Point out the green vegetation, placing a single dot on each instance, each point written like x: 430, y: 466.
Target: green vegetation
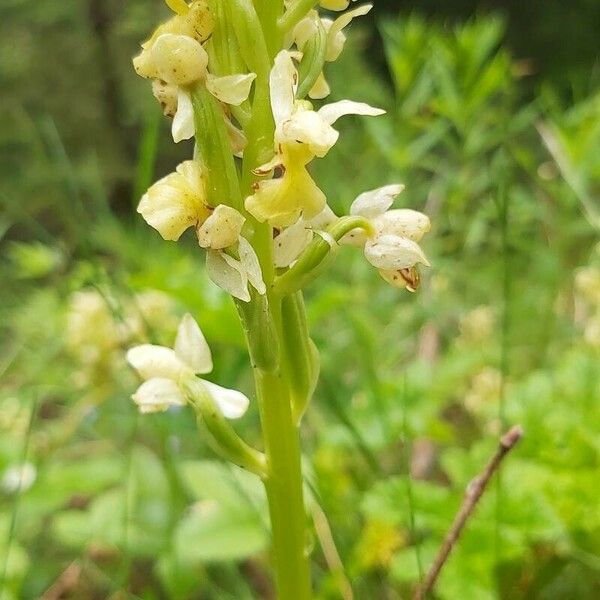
x: 414, y: 391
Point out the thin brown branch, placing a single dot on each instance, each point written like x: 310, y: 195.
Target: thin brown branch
x: 474, y: 492
x: 66, y: 582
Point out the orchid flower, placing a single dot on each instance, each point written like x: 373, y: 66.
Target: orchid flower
x: 301, y: 134
x: 163, y: 370
x: 394, y: 249
x: 177, y: 201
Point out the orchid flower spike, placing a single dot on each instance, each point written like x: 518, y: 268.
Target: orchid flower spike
x: 164, y: 369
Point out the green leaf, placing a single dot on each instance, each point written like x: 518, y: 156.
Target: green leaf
x: 216, y: 532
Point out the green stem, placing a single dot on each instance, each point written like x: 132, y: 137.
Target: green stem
x: 215, y: 150
x: 284, y: 481
x: 316, y: 256
x: 269, y: 12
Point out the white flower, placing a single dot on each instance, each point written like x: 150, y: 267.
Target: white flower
x: 393, y: 252
x: 301, y: 134
x: 164, y: 368
x: 19, y: 478
x: 177, y: 201
x: 394, y: 248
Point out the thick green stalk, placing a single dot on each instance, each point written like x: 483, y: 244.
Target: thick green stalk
x: 284, y: 481
x: 269, y: 12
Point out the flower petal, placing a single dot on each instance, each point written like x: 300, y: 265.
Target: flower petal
x: 403, y: 222
x: 151, y: 361
x: 251, y: 265
x: 183, y: 127
x: 320, y: 88
x: 309, y: 127
x: 233, y: 404
x: 230, y: 89
x: 290, y: 243
x: 157, y: 395
x: 332, y: 112
x: 283, y: 83
x: 228, y: 274
x: 392, y: 252
x: 191, y: 346
x: 176, y: 202
x: 222, y: 229
x: 176, y: 59
x: 166, y: 94
x: 322, y: 220
x: 375, y: 202
x: 267, y: 167
x: 344, y: 20
x: 334, y: 4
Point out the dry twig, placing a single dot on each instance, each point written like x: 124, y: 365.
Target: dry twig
x: 474, y: 492
x: 66, y: 583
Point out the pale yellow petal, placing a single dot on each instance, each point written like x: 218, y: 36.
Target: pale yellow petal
x: 230, y: 89
x: 222, y: 229
x: 150, y: 360
x: 191, y: 346
x: 392, y: 252
x: 375, y: 202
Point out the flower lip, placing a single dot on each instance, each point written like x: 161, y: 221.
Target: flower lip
x: 157, y: 395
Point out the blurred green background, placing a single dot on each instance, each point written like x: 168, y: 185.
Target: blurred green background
x: 494, y: 126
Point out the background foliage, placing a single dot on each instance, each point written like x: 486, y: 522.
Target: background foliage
x: 494, y: 126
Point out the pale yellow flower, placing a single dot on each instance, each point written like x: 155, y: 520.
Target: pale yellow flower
x: 301, y: 134
x: 177, y: 201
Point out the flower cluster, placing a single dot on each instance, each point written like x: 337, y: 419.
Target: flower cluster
x: 179, y: 58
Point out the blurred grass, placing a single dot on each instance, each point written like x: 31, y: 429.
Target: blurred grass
x: 415, y: 389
